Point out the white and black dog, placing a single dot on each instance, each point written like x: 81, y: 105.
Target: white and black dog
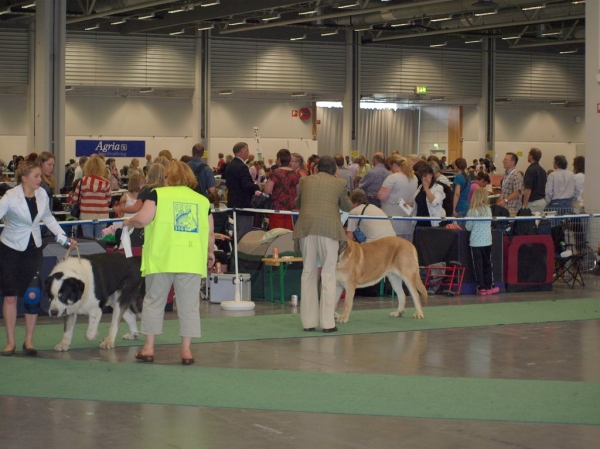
x: 84, y: 286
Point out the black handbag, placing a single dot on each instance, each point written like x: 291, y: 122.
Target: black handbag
x: 262, y: 201
x: 76, y: 207
x: 358, y: 234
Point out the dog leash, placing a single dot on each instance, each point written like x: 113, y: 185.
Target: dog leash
x: 69, y: 251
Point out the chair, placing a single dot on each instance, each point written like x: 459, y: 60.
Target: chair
x: 568, y: 269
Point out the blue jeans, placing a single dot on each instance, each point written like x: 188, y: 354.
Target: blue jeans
x: 562, y: 207
x: 92, y: 230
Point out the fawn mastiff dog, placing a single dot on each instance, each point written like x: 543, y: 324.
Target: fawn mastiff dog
x: 362, y: 265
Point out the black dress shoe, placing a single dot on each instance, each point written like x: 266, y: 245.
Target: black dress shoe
x: 32, y: 352
x: 309, y: 329
x: 8, y: 352
x: 187, y: 362
x: 330, y: 330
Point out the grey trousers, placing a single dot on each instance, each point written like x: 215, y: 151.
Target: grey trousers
x: 187, y: 293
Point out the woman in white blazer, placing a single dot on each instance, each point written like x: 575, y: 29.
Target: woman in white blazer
x: 23, y: 207
x: 429, y: 198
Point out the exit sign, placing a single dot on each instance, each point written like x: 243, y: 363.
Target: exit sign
x: 421, y: 90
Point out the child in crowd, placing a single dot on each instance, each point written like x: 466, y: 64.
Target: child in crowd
x: 481, y: 242
x: 134, y: 185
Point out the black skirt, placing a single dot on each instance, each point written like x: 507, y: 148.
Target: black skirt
x: 17, y: 268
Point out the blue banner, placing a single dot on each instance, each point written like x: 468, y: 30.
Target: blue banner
x: 111, y: 148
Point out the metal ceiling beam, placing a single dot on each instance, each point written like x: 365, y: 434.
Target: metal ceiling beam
x: 112, y: 12
x: 479, y: 28
x: 335, y: 15
x: 548, y: 44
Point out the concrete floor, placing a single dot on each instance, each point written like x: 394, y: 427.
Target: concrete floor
x: 567, y: 351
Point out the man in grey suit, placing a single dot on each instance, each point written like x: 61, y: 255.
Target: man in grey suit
x: 320, y: 237
x: 343, y: 172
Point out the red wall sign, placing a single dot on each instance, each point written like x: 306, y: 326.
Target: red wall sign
x: 294, y: 113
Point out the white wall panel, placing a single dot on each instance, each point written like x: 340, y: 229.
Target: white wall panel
x: 14, y: 58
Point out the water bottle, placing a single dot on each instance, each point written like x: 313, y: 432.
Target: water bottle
x: 32, y: 296
x: 275, y: 253
x: 62, y: 240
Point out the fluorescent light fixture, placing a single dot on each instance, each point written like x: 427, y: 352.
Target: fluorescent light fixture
x: 118, y: 22
x: 558, y: 103
x: 551, y: 33
x: 148, y: 16
x: 175, y: 11
x: 568, y: 52
x: 95, y: 27
x: 206, y: 27
x: 226, y: 92
x: 437, y: 98
x: 475, y: 41
x: 508, y: 38
x: 146, y: 90
x: 269, y: 18
x: 363, y: 28
x: 441, y: 19
x: 349, y: 5
x: 439, y: 45
x: 28, y: 5
x: 175, y: 33
x: 241, y: 22
x: 69, y: 88
x: 401, y: 24
x: 298, y: 94
x: 6, y: 11
x: 532, y: 7
x: 299, y: 38
x: 307, y: 13
x: 504, y: 100
x: 578, y: 2
x: 211, y: 3
x: 330, y: 33
x: 486, y: 13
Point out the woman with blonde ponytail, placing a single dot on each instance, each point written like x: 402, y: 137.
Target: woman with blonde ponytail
x: 400, y: 185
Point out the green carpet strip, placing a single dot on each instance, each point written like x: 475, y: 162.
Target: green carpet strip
x: 361, y: 322
x: 274, y: 390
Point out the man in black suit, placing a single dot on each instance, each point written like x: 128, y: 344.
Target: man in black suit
x: 240, y: 187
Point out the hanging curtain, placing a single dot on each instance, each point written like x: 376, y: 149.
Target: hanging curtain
x: 329, y: 132
x: 386, y: 130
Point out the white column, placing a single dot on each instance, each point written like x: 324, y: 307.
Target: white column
x: 592, y: 103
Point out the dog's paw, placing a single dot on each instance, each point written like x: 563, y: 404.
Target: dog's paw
x: 89, y: 336
x: 107, y: 344
x: 131, y: 336
x: 397, y: 314
x: 418, y: 316
x: 342, y: 319
x: 63, y: 346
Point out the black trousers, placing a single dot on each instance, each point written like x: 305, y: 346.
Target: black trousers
x: 482, y: 266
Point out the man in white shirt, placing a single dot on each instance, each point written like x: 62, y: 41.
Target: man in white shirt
x: 560, y: 186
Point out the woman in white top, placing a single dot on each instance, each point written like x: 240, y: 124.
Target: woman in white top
x: 373, y: 229
x: 430, y: 197
x: 401, y: 184
x: 579, y: 172
x: 23, y: 208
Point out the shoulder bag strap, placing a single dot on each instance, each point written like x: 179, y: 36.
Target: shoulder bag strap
x: 363, y: 211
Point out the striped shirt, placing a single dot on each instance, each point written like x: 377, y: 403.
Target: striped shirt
x: 94, y: 192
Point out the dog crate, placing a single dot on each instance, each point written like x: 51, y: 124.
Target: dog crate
x: 444, y: 279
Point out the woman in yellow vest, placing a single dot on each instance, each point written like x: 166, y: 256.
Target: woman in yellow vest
x: 178, y: 248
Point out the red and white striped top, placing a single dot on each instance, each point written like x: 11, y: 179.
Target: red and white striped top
x: 95, y: 197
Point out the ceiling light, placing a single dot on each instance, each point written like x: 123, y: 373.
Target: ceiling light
x: 349, y: 5
x: 69, y: 88
x: 551, y: 33
x: 146, y: 90
x: 118, y: 22
x: 226, y: 92
x: 558, y: 103
x: 507, y: 38
x: 95, y: 27
x: 28, y: 5
x: 363, y: 28
x: 6, y: 11
x: 298, y: 38
x: 206, y: 27
x: 241, y: 22
x: 175, y: 33
x: 437, y: 98
x: 148, y: 16
x: 441, y: 19
x: 401, y: 24
x: 175, y: 11
x: 269, y: 18
x: 476, y: 41
x: 330, y: 33
x: 439, y: 45
x: 568, y: 52
x: 504, y: 100
x: 578, y: 2
x: 532, y: 7
x: 298, y: 94
x: 211, y: 3
x: 487, y: 13
x: 306, y: 13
